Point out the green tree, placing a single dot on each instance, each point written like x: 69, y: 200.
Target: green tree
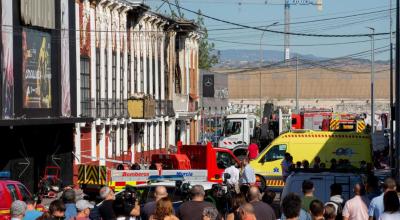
x: 208, y: 56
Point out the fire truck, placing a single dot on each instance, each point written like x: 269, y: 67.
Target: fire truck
x: 198, y: 162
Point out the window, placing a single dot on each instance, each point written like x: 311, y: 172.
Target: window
x: 106, y: 83
x: 85, y: 86
x: 141, y: 74
x: 98, y: 84
x: 225, y: 160
x: 121, y: 141
x: 24, y: 192
x: 232, y: 127
x: 276, y: 152
x: 129, y: 75
x: 13, y: 192
x: 121, y: 84
x: 114, y: 83
x: 113, y: 143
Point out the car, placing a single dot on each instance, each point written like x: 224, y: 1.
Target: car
x: 322, y: 182
x: 10, y: 191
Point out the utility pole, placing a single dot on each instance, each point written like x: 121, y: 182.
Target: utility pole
x: 391, y: 146
x: 372, y: 85
x: 297, y: 85
x: 397, y: 108
x: 261, y: 62
x: 287, y: 30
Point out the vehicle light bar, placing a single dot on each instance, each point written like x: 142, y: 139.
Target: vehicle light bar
x: 5, y: 174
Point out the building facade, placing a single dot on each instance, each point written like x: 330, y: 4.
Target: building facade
x: 38, y: 89
x: 133, y: 65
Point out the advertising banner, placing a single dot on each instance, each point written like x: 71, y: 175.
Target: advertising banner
x: 208, y: 86
x: 36, y: 69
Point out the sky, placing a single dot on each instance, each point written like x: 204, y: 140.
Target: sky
x: 266, y: 12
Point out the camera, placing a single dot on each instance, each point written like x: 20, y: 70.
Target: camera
x: 125, y: 201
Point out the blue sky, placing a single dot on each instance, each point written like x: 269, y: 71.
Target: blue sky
x: 257, y: 13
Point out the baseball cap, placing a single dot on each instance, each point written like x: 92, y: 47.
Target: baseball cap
x: 18, y: 207
x: 83, y: 204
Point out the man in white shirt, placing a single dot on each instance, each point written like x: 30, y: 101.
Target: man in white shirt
x: 234, y: 173
x: 248, y: 175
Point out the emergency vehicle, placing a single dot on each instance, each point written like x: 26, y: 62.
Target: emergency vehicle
x: 194, y: 162
x: 306, y: 145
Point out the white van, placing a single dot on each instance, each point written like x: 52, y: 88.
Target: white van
x: 322, y: 182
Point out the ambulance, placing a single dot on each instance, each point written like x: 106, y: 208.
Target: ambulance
x: 306, y: 145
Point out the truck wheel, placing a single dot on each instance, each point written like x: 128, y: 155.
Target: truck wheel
x: 261, y: 182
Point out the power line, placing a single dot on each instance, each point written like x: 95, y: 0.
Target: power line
x: 279, y: 32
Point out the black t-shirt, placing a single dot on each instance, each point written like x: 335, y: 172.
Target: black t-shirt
x: 192, y: 210
x: 107, y: 211
x: 263, y: 211
x: 148, y: 210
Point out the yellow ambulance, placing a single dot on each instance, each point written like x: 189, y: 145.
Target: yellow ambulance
x: 306, y: 145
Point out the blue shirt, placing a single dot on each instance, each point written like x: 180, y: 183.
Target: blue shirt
x: 376, y: 207
x: 70, y: 211
x: 32, y: 214
x: 303, y: 215
x: 248, y: 175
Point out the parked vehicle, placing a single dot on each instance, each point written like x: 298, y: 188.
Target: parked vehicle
x: 238, y: 130
x: 306, y: 145
x: 9, y: 192
x: 322, y: 182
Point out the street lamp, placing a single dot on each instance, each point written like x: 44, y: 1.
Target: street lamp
x: 261, y: 61
x: 372, y: 83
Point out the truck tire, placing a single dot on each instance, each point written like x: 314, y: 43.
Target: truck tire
x: 261, y: 182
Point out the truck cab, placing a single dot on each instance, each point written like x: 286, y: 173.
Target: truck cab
x: 238, y: 130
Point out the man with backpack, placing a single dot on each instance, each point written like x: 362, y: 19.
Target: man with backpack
x: 336, y: 199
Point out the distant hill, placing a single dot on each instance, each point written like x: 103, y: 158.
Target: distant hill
x: 240, y: 58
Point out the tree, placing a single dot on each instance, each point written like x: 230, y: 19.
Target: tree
x: 208, y: 56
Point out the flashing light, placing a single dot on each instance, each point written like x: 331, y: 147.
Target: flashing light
x: 5, y: 174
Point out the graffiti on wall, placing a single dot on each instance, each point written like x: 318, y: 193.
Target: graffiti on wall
x: 36, y: 69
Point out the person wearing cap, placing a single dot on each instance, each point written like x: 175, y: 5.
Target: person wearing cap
x: 83, y: 207
x: 18, y: 209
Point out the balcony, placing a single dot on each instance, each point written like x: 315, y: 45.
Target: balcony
x: 165, y: 108
x: 88, y: 108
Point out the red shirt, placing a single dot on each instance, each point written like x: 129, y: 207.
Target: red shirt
x: 253, y: 151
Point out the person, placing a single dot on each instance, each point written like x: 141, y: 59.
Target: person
x: 308, y: 191
x: 262, y: 210
x: 235, y: 203
x: 372, y: 187
x: 106, y: 208
x: 330, y: 212
x: 317, y: 162
x: 247, y: 212
x: 248, y: 175
x: 298, y: 165
x: 317, y: 210
x: 336, y: 198
x: 17, y: 210
x: 306, y: 164
x: 210, y: 213
x: 68, y: 198
x: 291, y: 208
x: 252, y: 149
x: 357, y: 207
x: 285, y: 165
x: 392, y: 206
x: 56, y: 211
x: 193, y: 209
x: 269, y: 197
x: 125, y: 209
x: 333, y: 164
x: 83, y: 207
x: 376, y: 208
x: 150, y: 207
x: 233, y: 171
x: 164, y: 210
x: 31, y: 213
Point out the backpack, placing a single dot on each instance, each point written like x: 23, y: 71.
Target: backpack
x: 339, y: 210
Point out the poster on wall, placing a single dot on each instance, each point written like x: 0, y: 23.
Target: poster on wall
x: 7, y: 70
x: 36, y: 69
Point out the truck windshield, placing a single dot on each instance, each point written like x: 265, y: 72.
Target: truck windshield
x: 232, y: 127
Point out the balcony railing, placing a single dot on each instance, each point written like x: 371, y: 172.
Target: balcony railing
x: 88, y: 108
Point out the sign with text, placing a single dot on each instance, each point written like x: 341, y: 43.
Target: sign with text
x: 143, y: 175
